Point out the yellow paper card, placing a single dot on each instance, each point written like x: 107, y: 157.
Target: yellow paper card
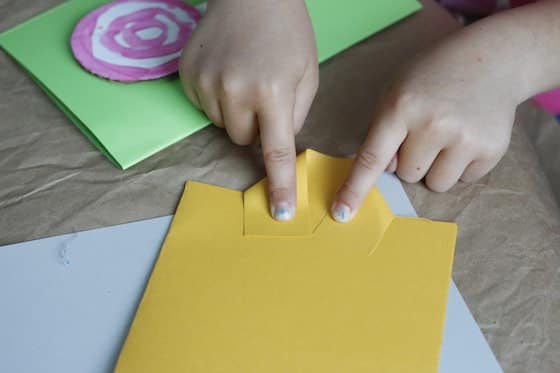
x: 367, y: 296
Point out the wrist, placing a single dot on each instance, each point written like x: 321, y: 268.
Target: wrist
x: 531, y: 38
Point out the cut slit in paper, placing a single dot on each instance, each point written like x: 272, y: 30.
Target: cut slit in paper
x: 134, y: 40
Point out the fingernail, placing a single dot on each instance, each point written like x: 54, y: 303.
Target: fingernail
x: 341, y: 212
x: 282, y: 211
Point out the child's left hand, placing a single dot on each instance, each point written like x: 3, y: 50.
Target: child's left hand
x: 448, y: 117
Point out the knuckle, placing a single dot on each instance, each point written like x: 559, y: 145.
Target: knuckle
x: 466, y: 142
x: 402, y: 100
x: 278, y: 193
x: 441, y: 125
x: 348, y: 195
x: 204, y: 80
x: 270, y: 88
x: 279, y: 155
x: 369, y: 160
x: 232, y: 85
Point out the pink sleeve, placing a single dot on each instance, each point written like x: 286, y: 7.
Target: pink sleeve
x: 550, y: 101
x: 482, y: 7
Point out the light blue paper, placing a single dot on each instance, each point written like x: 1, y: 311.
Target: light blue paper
x: 67, y: 301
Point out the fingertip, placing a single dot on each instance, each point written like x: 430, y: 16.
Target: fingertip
x: 346, y: 203
x: 282, y: 203
x: 282, y: 211
x: 341, y: 212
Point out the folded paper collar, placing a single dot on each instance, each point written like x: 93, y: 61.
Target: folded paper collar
x: 318, y: 179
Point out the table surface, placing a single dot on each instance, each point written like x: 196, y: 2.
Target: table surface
x: 53, y: 181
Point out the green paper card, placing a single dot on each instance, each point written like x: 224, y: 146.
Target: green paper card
x: 130, y: 122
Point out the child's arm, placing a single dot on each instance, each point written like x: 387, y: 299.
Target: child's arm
x: 449, y: 115
x: 251, y: 65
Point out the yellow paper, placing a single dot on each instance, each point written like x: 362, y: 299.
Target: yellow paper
x: 259, y: 222
x: 366, y: 296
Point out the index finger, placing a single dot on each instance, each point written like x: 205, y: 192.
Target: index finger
x: 279, y: 152
x: 382, y: 143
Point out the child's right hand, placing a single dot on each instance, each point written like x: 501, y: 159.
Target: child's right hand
x: 252, y: 67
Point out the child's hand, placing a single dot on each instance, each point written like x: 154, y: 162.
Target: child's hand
x: 448, y: 117
x: 252, y: 67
